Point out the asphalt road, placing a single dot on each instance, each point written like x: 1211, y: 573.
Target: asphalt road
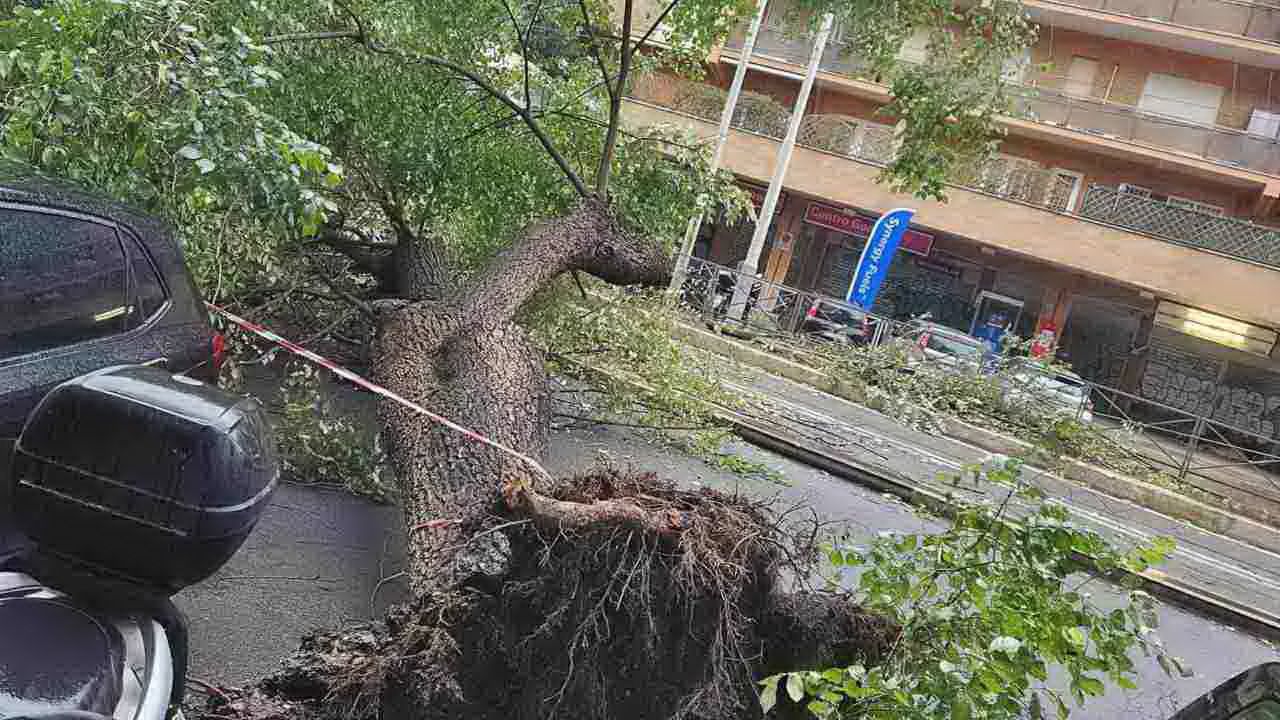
x: 317, y: 556
x: 1203, y: 561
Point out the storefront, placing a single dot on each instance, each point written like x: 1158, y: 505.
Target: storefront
x: 727, y: 245
x: 1206, y: 364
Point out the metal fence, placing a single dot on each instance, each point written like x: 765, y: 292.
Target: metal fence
x: 1214, y: 456
x: 1182, y: 225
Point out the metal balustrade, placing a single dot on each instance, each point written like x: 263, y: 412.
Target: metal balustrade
x: 1255, y: 20
x: 1040, y: 101
x: 1007, y: 177
x: 1184, y: 226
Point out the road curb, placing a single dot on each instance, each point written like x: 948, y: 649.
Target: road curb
x: 1230, y: 524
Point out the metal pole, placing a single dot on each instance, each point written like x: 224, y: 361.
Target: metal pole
x: 780, y: 169
x: 726, y: 121
x: 1191, y: 447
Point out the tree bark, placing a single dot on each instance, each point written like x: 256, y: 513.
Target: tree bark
x: 460, y: 354
x: 507, y: 621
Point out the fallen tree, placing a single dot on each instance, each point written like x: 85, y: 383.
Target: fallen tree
x: 400, y: 164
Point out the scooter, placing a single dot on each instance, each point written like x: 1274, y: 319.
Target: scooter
x: 128, y: 484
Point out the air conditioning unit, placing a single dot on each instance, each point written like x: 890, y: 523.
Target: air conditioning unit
x: 1266, y: 124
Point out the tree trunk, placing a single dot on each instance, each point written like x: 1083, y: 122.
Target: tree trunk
x: 600, y: 597
x: 464, y: 357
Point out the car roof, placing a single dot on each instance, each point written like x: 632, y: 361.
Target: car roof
x: 940, y: 329
x: 24, y: 185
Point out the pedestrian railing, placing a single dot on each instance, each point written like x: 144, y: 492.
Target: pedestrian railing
x: 1186, y: 446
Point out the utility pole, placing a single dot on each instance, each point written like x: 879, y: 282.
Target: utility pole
x: 742, y: 291
x: 726, y: 121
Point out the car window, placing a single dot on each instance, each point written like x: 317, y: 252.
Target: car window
x: 62, y: 281
x: 146, y: 295
x: 952, y: 345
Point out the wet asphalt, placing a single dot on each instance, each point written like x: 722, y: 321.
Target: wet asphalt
x: 317, y: 556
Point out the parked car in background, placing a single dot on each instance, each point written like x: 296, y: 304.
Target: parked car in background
x: 935, y: 345
x: 831, y: 321
x: 86, y: 284
x: 1059, y: 392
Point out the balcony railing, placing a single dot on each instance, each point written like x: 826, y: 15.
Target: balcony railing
x: 1225, y: 235
x: 1259, y: 21
x: 1011, y: 178
x: 1215, y: 143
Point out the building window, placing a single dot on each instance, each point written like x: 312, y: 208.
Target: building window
x: 1177, y: 97
x: 1081, y: 75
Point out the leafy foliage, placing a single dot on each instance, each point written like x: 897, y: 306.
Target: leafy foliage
x: 995, y: 621
x: 320, y: 445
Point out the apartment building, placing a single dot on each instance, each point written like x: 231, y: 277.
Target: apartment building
x: 1132, y: 209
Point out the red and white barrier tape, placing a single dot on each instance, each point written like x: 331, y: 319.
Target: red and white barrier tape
x: 355, y: 379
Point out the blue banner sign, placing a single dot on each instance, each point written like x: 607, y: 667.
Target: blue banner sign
x: 877, y: 256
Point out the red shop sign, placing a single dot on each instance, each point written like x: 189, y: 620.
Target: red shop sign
x: 834, y: 218
x: 757, y: 197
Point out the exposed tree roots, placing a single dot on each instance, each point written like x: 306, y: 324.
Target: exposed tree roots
x: 674, y: 612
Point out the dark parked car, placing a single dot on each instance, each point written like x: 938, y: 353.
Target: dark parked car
x: 838, y: 323
x: 85, y: 284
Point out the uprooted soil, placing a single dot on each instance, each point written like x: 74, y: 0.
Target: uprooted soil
x: 602, y: 623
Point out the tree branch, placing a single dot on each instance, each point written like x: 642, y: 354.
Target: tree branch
x: 588, y: 238
x: 615, y: 106
x: 524, y: 49
x: 310, y: 36
x: 595, y: 50
x: 373, y: 258
x: 475, y: 78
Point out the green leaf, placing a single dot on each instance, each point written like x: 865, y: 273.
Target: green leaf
x: 820, y: 709
x: 1124, y: 682
x: 1074, y: 635
x: 946, y: 667
x: 190, y: 152
x: 769, y: 695
x: 961, y: 709
x: 991, y: 681
x: 1091, y: 686
x: 205, y: 165
x: 795, y: 687
x: 1005, y: 644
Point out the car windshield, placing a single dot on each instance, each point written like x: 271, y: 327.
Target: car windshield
x: 953, y: 345
x: 836, y: 314
x: 1062, y: 384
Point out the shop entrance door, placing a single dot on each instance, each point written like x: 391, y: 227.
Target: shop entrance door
x: 995, y: 309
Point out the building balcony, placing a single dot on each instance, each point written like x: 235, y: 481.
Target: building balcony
x: 1255, y: 20
x: 1040, y: 100
x: 1011, y: 204
x: 1244, y: 31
